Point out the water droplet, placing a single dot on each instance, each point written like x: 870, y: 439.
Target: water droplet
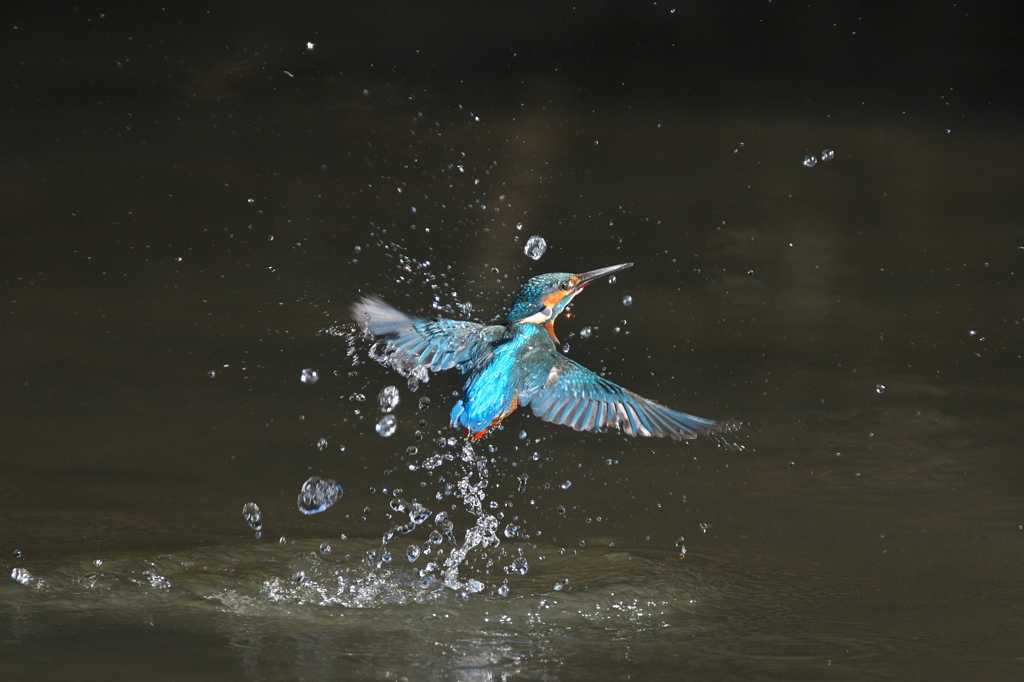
x: 586, y: 332
x: 560, y: 509
x: 388, y: 399
x: 879, y: 389
x: 253, y: 516
x: 318, y: 494
x: 424, y: 403
x: 703, y: 528
x: 211, y: 374
x: 325, y: 548
x: 535, y: 247
x: 357, y: 397
x: 413, y: 553
x: 612, y: 279
x: 566, y: 485
x: 21, y: 575
x: 321, y: 444
x: 810, y: 161
x: 523, y: 435
x: 309, y: 376
x: 387, y: 425
x: 627, y: 301
x: 503, y: 590
x: 827, y: 155
x: 17, y: 554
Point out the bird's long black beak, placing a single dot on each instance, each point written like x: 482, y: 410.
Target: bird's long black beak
x: 588, y: 277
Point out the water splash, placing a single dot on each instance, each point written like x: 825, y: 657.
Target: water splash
x: 309, y: 376
x: 472, y: 489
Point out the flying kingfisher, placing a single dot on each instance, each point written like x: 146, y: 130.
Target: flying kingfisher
x: 518, y: 363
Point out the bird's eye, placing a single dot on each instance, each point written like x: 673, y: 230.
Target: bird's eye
x: 565, y: 285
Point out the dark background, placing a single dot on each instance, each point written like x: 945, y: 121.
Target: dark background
x: 927, y: 59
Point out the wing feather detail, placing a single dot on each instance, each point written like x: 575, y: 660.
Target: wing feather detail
x: 416, y: 344
x: 574, y: 396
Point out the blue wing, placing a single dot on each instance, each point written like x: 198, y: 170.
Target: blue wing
x: 415, y: 344
x: 572, y: 395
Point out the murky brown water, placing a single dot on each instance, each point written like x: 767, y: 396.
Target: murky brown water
x: 170, y: 269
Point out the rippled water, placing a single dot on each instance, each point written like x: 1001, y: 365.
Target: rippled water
x: 177, y: 348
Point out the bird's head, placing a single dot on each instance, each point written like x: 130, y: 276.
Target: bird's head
x: 544, y: 297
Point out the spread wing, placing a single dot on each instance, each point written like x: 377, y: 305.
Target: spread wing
x: 574, y: 396
x: 415, y: 344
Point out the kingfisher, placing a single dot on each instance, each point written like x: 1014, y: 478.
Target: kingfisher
x: 504, y: 366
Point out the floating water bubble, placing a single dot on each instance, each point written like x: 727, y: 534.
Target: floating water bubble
x: 413, y: 553
x: 387, y: 399
x: 827, y: 155
x: 387, y: 425
x: 424, y: 403
x: 253, y: 516
x: 810, y: 161
x: 21, y: 575
x: 560, y: 509
x: 309, y: 376
x: 879, y: 389
x: 535, y: 247
x: 519, y: 565
x: 627, y: 300
x: 318, y: 494
x: 586, y: 332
